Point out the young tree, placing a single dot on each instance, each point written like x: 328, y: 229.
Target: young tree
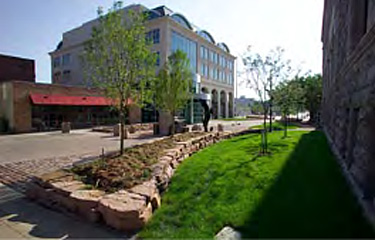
x: 262, y: 75
x: 287, y: 96
x: 118, y: 60
x: 173, y: 84
x: 257, y: 78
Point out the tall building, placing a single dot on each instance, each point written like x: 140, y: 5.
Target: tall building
x: 211, y: 62
x: 348, y: 107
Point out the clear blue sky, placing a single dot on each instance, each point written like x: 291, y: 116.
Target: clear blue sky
x: 32, y: 28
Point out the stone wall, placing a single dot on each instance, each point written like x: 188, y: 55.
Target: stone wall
x: 348, y: 107
x: 127, y: 209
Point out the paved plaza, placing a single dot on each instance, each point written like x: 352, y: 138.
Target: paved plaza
x: 25, y: 155
x: 20, y: 147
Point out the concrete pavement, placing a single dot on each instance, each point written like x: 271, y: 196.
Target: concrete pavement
x: 21, y: 218
x: 20, y: 147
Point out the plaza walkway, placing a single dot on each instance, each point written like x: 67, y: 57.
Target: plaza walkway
x: 24, y: 155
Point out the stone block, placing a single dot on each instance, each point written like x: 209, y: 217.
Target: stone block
x: 150, y: 191
x: 86, y: 202
x: 196, y: 128
x: 116, y: 130
x: 65, y: 127
x: 125, y: 211
x: 132, y: 129
x: 65, y: 188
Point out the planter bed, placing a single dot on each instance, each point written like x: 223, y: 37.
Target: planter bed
x: 121, y: 191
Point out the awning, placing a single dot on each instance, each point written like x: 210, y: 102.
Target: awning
x: 46, y: 99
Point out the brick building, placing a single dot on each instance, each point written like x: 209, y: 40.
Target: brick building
x: 348, y: 107
x: 29, y: 107
x: 16, y: 68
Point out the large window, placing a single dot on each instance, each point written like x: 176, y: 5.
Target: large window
x: 186, y: 45
x: 204, y: 70
x: 66, y: 59
x: 56, y: 62
x: 153, y: 36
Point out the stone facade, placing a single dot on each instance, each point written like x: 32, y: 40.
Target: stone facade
x: 348, y: 106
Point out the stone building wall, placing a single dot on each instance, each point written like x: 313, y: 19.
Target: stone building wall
x: 348, y: 107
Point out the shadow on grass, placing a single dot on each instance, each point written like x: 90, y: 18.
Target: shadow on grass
x: 309, y: 198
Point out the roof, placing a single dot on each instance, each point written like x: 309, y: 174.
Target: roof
x: 46, y: 99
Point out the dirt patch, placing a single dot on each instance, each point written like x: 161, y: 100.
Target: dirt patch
x: 133, y: 167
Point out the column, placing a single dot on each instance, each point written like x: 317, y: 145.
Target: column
x: 218, y: 105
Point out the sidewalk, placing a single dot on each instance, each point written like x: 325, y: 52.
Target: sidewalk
x: 21, y: 218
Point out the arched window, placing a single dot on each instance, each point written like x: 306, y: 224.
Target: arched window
x: 179, y: 18
x: 224, y: 47
x: 206, y: 35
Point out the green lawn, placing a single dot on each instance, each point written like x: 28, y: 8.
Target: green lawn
x: 276, y: 126
x: 239, y: 119
x: 298, y: 191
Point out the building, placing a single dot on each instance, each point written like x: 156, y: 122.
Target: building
x: 16, y: 68
x: 348, y: 107
x: 211, y: 62
x: 27, y: 106
x: 30, y: 107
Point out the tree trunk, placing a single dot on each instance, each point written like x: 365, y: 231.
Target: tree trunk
x: 270, y: 117
x: 285, y: 126
x: 265, y: 132
x: 312, y: 117
x: 122, y: 127
x: 173, y: 125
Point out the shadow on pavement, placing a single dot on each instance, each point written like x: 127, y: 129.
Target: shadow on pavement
x: 32, y: 220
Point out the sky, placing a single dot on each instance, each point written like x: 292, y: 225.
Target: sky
x: 33, y: 28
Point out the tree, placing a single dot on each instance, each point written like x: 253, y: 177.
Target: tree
x: 118, y: 60
x: 312, y: 88
x: 287, y: 96
x: 262, y: 75
x: 173, y: 84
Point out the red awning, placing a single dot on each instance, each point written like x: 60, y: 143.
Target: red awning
x: 45, y: 99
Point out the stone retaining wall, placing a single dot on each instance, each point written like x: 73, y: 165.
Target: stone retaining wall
x: 126, y: 210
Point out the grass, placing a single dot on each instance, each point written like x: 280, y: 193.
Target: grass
x: 239, y: 119
x: 276, y: 126
x: 297, y: 191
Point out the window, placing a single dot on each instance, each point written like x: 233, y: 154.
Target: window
x: 186, y: 45
x: 56, y: 77
x: 158, y: 58
x: 153, y: 36
x: 66, y: 59
x: 204, y: 53
x: 56, y: 62
x: 66, y: 75
x: 212, y: 56
x: 217, y: 74
x: 205, y: 70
